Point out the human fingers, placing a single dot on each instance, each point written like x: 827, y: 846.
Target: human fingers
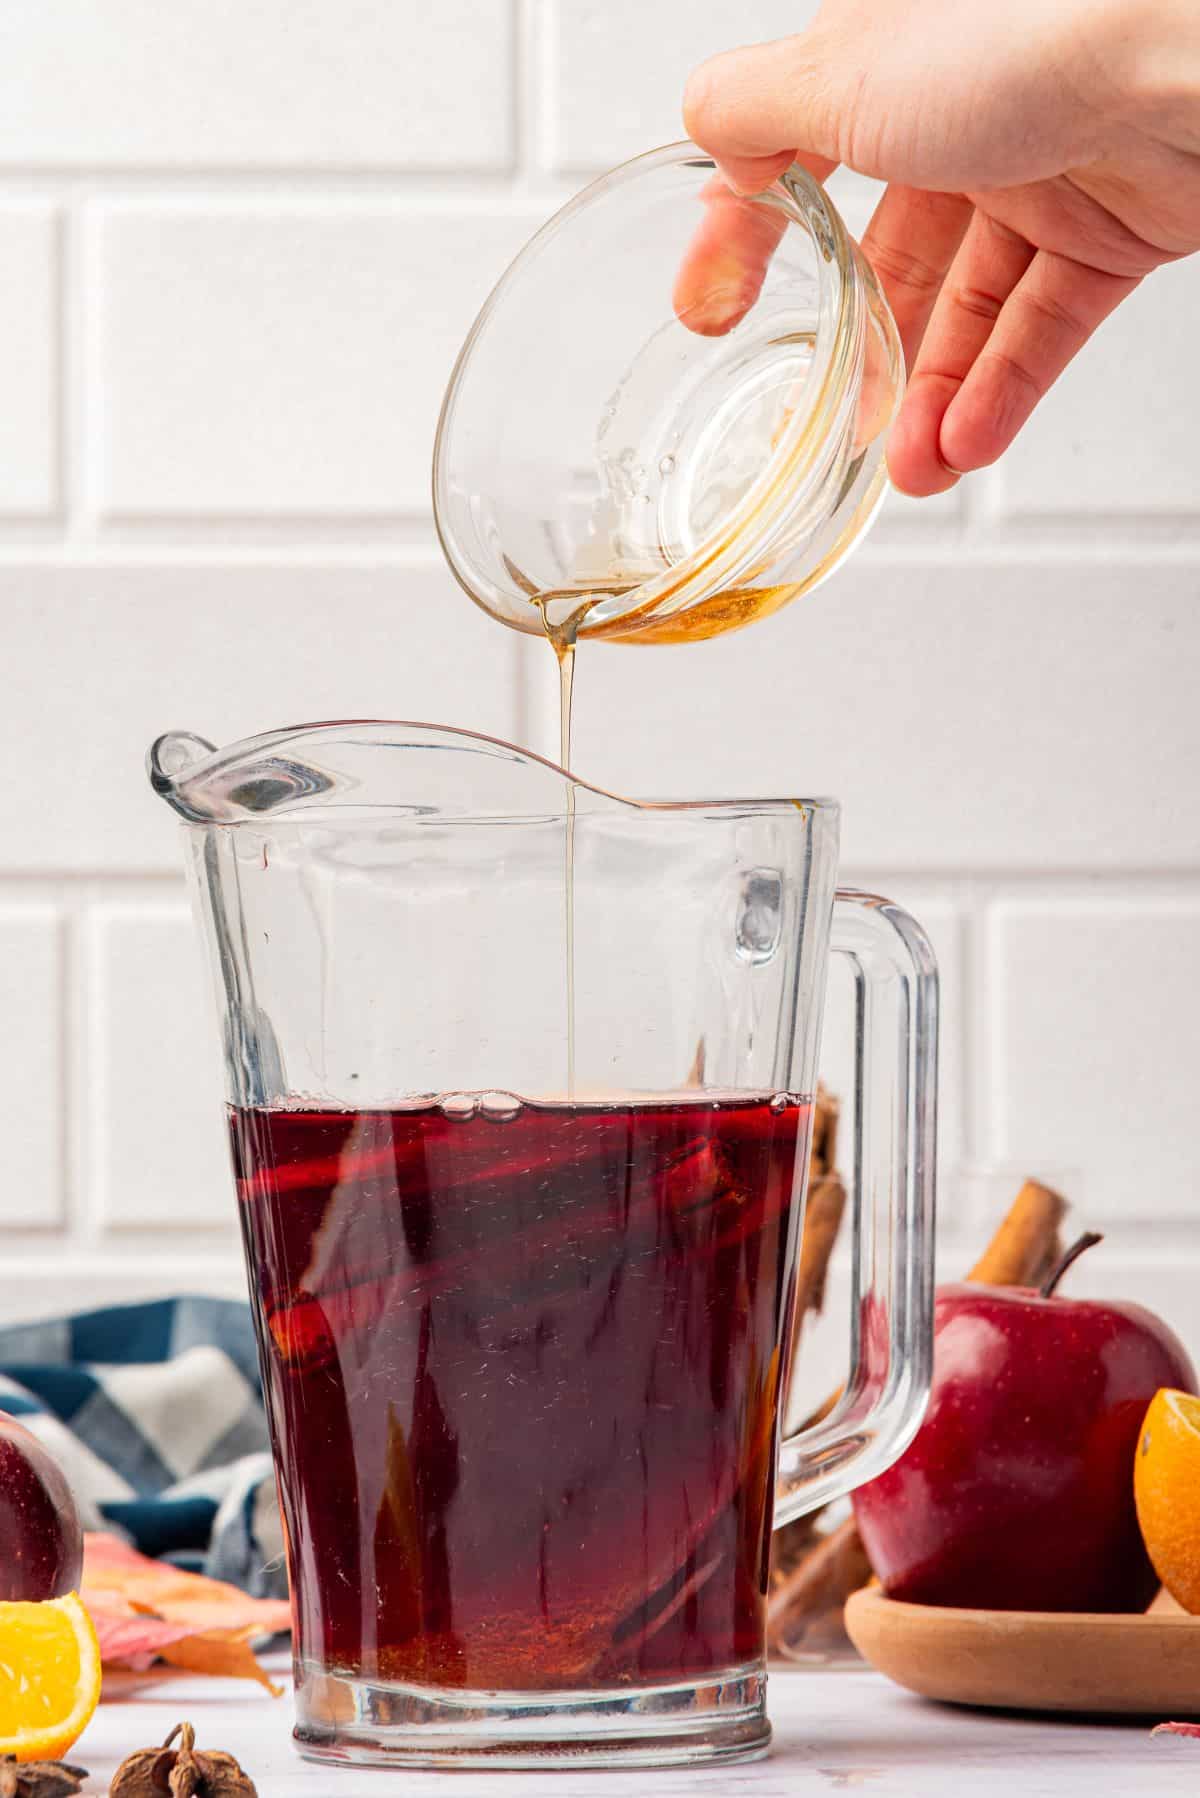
x: 1043, y: 324
x: 990, y: 261
x: 752, y: 174
x: 911, y: 242
x: 726, y: 261
x: 756, y: 108
x: 723, y: 269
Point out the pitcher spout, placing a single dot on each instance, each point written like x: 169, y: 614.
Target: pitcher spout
x: 207, y: 785
x: 419, y: 769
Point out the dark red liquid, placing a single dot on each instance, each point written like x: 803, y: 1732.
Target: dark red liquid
x: 522, y: 1377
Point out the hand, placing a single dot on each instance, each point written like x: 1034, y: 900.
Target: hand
x: 1042, y: 157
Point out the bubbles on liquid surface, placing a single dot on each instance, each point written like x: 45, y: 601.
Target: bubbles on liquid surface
x: 497, y: 1107
x: 501, y: 1108
x: 667, y: 465
x: 458, y: 1105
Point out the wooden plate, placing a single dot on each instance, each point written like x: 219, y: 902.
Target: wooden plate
x: 1033, y: 1660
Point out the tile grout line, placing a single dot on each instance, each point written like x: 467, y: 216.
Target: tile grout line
x: 524, y: 97
x: 964, y: 1045
x: 976, y: 1086
x: 64, y: 386
x: 389, y: 537
x: 65, y: 1028
x: 303, y: 180
x: 81, y: 323
x: 71, y: 325
x: 955, y: 886
x: 992, y: 1032
x: 77, y: 1060
x: 537, y: 43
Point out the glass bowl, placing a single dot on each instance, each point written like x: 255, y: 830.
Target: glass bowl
x: 669, y: 418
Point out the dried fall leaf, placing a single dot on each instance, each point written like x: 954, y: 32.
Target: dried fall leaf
x: 220, y: 1654
x: 146, y: 1611
x: 128, y: 1638
x: 111, y: 1566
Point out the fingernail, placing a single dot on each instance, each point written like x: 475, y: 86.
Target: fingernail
x: 958, y: 473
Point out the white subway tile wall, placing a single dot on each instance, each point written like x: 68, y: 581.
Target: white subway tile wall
x: 154, y: 1152
x: 264, y: 84
x: 280, y: 361
x: 29, y: 361
x: 241, y: 244
x: 1075, y: 1082
x: 1118, y: 443
x: 33, y: 1065
x: 614, y: 70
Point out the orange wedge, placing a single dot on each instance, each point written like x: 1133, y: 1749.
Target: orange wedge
x: 1166, y: 1490
x: 49, y: 1677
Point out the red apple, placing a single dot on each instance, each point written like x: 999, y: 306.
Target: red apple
x: 1017, y: 1492
x: 41, y: 1543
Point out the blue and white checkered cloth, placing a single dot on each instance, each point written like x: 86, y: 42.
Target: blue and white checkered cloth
x: 155, y: 1414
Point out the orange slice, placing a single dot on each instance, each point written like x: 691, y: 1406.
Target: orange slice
x: 1166, y: 1490
x: 49, y: 1677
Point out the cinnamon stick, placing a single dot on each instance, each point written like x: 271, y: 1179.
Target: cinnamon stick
x: 823, y: 1580
x: 823, y: 1211
x: 822, y: 1153
x: 1022, y: 1251
x: 1027, y: 1244
x: 822, y: 1220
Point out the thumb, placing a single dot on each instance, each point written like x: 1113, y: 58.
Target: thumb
x: 758, y: 109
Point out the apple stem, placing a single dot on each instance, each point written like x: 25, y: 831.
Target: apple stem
x: 1088, y: 1240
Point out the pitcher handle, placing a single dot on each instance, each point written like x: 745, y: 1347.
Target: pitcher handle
x: 880, y: 1409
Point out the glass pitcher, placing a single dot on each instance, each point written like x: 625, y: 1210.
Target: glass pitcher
x: 519, y: 1080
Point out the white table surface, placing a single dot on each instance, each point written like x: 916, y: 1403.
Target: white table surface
x: 834, y: 1732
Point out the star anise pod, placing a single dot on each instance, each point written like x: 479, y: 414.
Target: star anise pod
x: 38, y: 1779
x: 182, y: 1772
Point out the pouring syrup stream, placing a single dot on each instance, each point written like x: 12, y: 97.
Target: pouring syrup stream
x: 565, y: 654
